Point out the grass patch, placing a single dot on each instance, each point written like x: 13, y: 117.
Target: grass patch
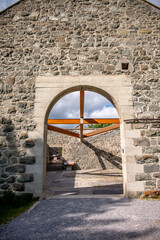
x: 12, y: 205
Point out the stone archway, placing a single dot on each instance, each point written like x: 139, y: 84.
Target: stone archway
x: 117, y: 89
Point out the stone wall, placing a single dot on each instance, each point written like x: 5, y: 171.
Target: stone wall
x: 73, y: 38
x: 150, y: 142
x: 101, y: 151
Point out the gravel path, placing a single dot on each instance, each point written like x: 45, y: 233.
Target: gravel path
x: 87, y: 219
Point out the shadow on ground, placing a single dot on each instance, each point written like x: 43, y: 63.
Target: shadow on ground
x: 86, y: 219
x: 83, y: 182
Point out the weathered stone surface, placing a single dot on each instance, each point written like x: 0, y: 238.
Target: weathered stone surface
x: 151, y: 168
x: 145, y: 31
x: 34, y: 16
x: 18, y: 187
x: 4, y: 120
x: 158, y: 184
x: 17, y: 168
x: 22, y: 105
x: 123, y: 31
x: 10, y: 80
x: 8, y: 128
x: 154, y: 108
x: 3, y: 160
x: 110, y: 68
x: 143, y: 177
x: 52, y: 18
x: 91, y: 153
x: 152, y: 150
x: 142, y: 142
x: 10, y: 179
x: 5, y: 186
x: 25, y: 178
x: 1, y: 181
x: 11, y: 109
x: 13, y: 160
x: 23, y: 135
x: 28, y: 160
x: 156, y: 175
x: 4, y: 175
x: 151, y: 133
x: 150, y: 183
x: 29, y: 143
x: 16, y: 18
x: 146, y: 159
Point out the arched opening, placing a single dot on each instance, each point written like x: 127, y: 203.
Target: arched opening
x: 89, y: 145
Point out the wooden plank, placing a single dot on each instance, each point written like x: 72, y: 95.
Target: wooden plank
x: 101, y: 120
x: 63, y: 121
x: 64, y: 131
x: 81, y: 103
x: 102, y: 130
x: 85, y: 121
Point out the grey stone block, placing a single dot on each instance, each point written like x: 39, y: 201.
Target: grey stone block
x: 151, y: 168
x: 18, y: 187
x: 142, y: 142
x: 28, y: 160
x: 146, y: 159
x: 17, y: 168
x: 11, y: 179
x: 1, y: 181
x: 143, y: 177
x: 29, y: 143
x: 25, y: 178
x: 8, y: 128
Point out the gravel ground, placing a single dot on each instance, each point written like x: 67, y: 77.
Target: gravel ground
x: 91, y: 219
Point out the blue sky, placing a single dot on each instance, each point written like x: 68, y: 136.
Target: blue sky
x: 6, y: 3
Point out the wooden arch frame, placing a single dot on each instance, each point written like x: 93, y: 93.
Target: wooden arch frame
x: 115, y: 123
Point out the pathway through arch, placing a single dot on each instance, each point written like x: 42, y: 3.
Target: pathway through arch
x: 93, y: 182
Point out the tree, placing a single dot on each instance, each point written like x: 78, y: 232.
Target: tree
x: 98, y: 125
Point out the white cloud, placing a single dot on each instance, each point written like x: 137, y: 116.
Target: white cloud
x: 93, y: 102
x: 67, y: 107
x: 105, y: 112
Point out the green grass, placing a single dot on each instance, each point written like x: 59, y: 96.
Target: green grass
x: 12, y: 206
x: 7, y: 213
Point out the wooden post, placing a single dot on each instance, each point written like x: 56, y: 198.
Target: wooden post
x: 81, y: 113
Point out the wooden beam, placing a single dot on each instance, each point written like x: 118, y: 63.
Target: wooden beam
x: 85, y: 121
x: 81, y: 103
x: 81, y: 132
x: 81, y: 113
x: 64, y: 131
x: 63, y: 121
x: 101, y: 121
x: 101, y: 130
